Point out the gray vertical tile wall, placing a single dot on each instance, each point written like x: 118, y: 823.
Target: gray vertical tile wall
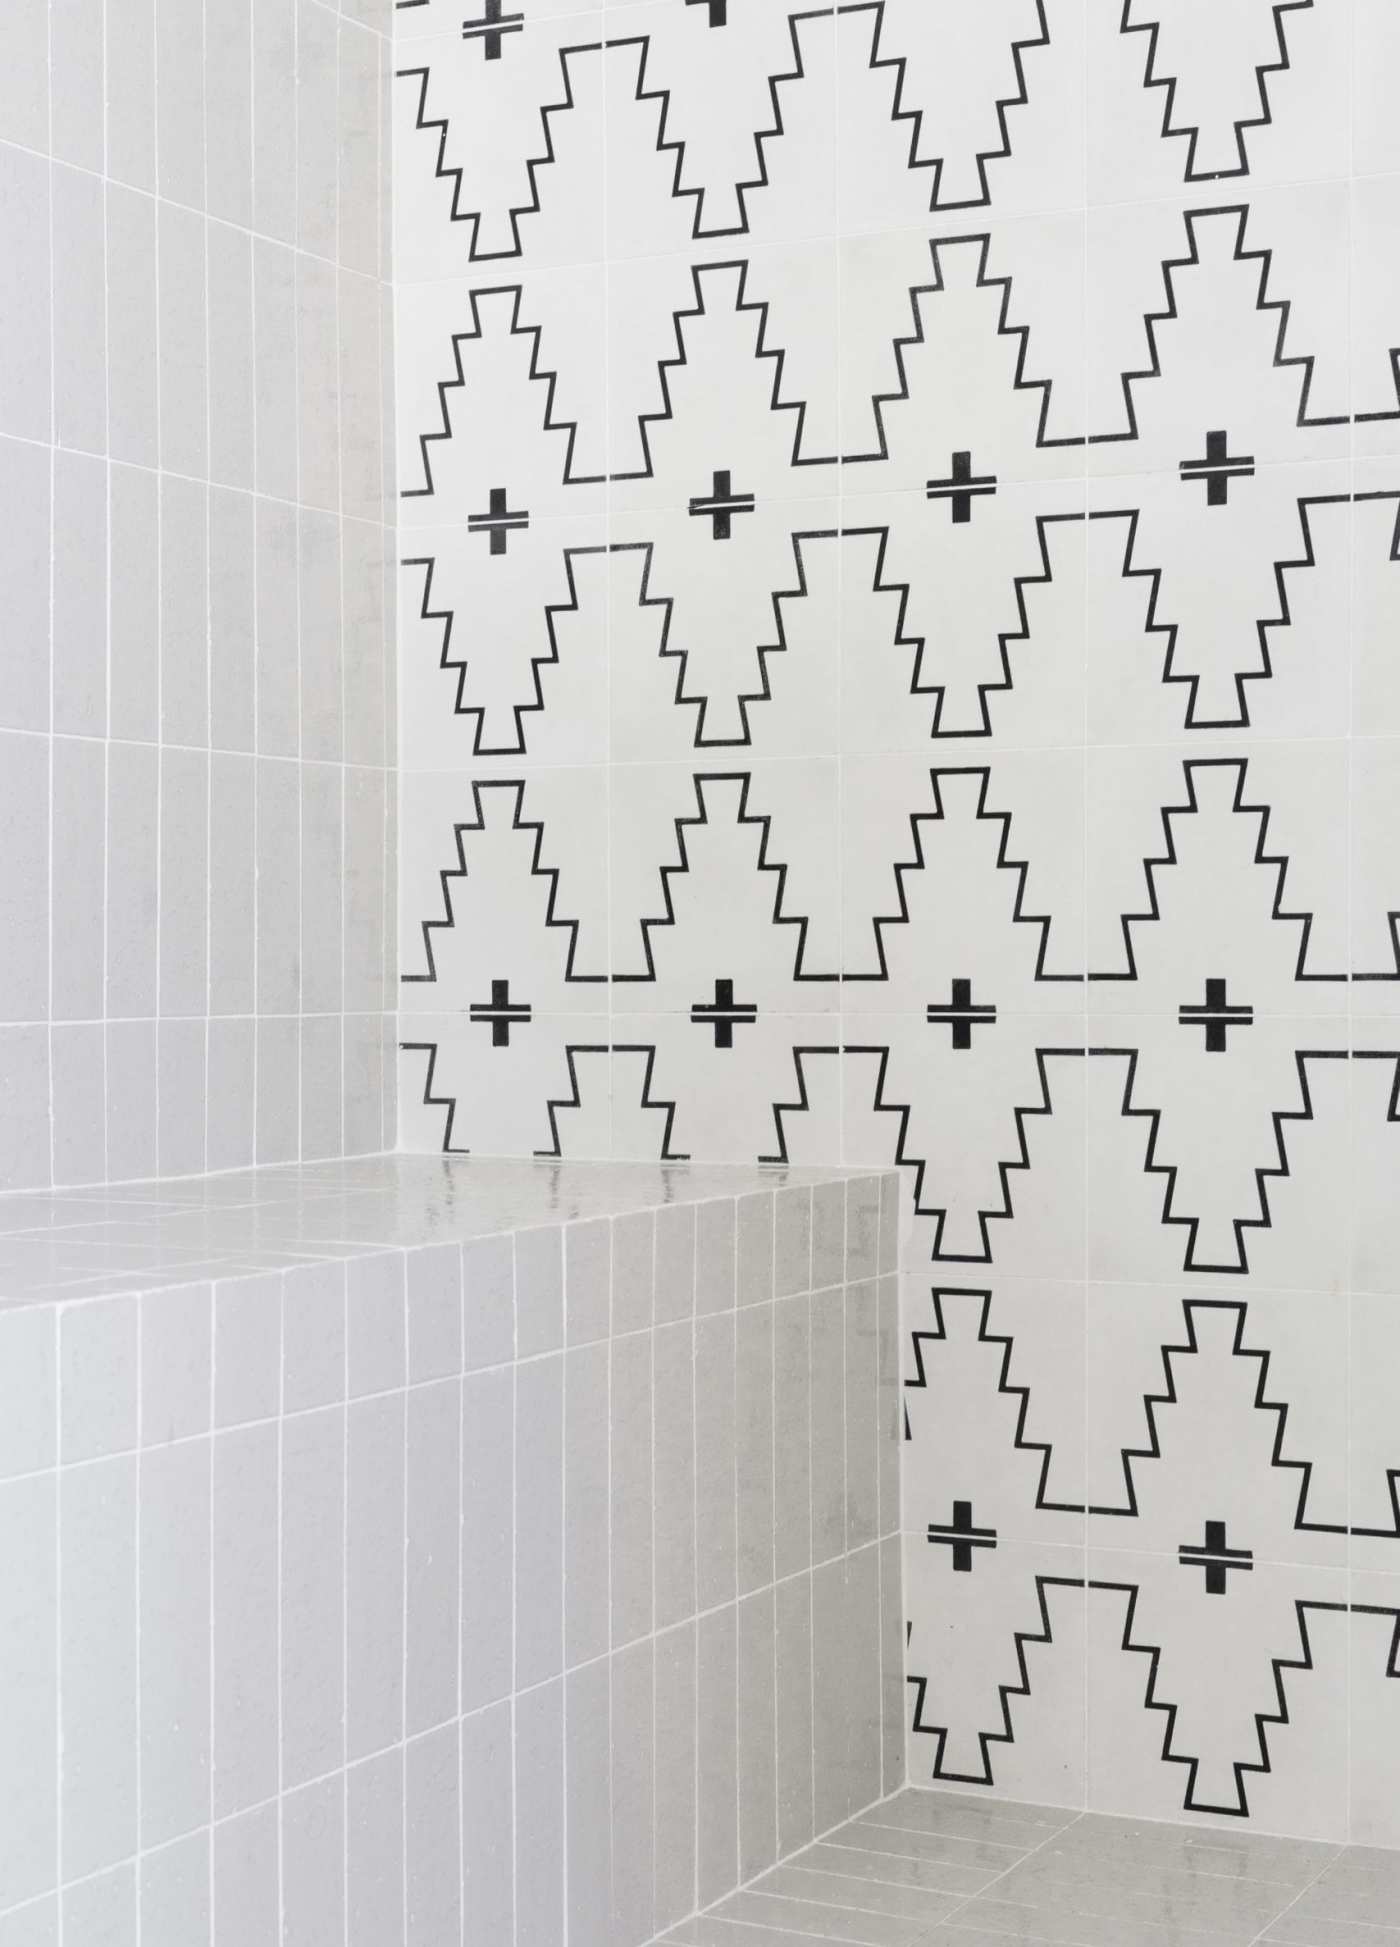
x: 197, y: 724
x: 348, y: 1608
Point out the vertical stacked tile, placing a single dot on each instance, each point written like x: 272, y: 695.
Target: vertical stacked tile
x: 458, y: 1591
x: 197, y: 727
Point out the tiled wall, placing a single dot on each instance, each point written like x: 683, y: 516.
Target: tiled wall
x: 410, y: 1621
x: 898, y: 613
x: 196, y: 713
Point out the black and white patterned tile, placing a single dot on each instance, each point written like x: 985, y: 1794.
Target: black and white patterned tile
x: 899, y: 590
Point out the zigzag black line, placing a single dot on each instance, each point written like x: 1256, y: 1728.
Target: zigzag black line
x: 1302, y: 920
x: 1262, y: 1718
x: 939, y: 1212
x: 431, y: 1101
x: 1393, y: 915
x: 1020, y: 383
x: 446, y: 660
x: 915, y: 116
x: 574, y: 1100
x: 1003, y: 864
x: 1283, y: 619
x: 445, y: 172
x: 1153, y: 1451
x: 676, y: 148
x: 1240, y: 1225
x: 1283, y: 306
x: 1392, y: 1616
x: 918, y: 643
x: 1392, y: 1114
x: 745, y: 817
x: 801, y: 1105
x: 645, y: 420
x: 518, y: 823
x: 666, y: 603
x: 1006, y: 1691
x: 1022, y: 1394
x: 548, y: 378
x: 1263, y: 119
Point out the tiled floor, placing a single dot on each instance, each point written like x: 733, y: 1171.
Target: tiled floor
x: 933, y: 1869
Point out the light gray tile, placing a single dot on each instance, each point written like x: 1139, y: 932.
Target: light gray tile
x: 318, y: 367
x: 539, y: 1815
x: 24, y: 871
x: 539, y: 1502
x: 274, y: 119
x: 831, y: 1720
x: 539, y: 1278
x: 26, y: 295
x: 862, y: 1415
x: 79, y: 319
x: 754, y: 1249
x: 132, y: 327
x: 247, y: 1348
x: 98, y: 1677
x: 828, y: 1362
x: 245, y: 1618
x: 862, y: 1228
x: 322, y: 911
x: 433, y: 1836
x: 674, y: 1472
x: 587, y: 1719
x: 24, y: 58
x: 674, y: 1773
x: 374, y: 1572
x: 24, y: 1096
x: 184, y: 378
x: 313, y: 1590
x: 313, y: 1865
x: 232, y: 619
x: 633, y: 1260
x: 585, y: 1503
x: 889, y: 1406
x: 793, y: 1712
x: 275, y: 386
x: 316, y: 129
x: 717, y: 1756
x: 365, y: 562
x: 359, y: 150
x: 176, y: 1363
x: 633, y: 1794
x: 758, y: 1785
x: 322, y: 735
x: 232, y: 969
x: 862, y: 1680
x: 131, y: 1099
x: 361, y: 428
x: 133, y: 601
x: 133, y: 851
x: 313, y: 1336
x: 365, y: 840
x: 28, y: 1390
x: 488, y: 1827
x: 714, y: 1256
x: 828, y: 1235
x: 245, y: 1880
x: 715, y: 1458
x: 488, y: 1449
x: 78, y: 1083
x: 101, y: 1912
x: 180, y: 101
x: 321, y: 1087
x: 792, y: 1455
x: 24, y: 584
x: 434, y: 1276
x: 97, y: 1365
x: 28, y: 1686
x: 754, y: 1446
x: 80, y: 596
x: 279, y: 1090
x: 633, y: 1503
x: 175, y: 1894
x: 232, y: 383
x: 675, y: 1262
x: 374, y: 1813
x: 489, y: 1280
x: 375, y: 1312
x: 131, y: 97
x: 587, y: 1280
x: 278, y: 887
x: 184, y: 882
x: 889, y: 1222
x: 228, y: 107
x: 232, y: 1058
x: 792, y: 1242
x: 892, y: 1686
x: 175, y: 1539
x: 433, y: 1568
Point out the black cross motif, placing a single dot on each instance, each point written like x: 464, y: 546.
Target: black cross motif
x: 723, y: 502
x: 1217, y: 469
x: 497, y: 521
x: 723, y: 1014
x: 1215, y: 1558
x: 960, y: 486
x: 1216, y: 1016
x: 719, y: 10
x: 489, y: 31
x: 962, y: 1537
x: 502, y: 1012
x: 961, y: 1015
